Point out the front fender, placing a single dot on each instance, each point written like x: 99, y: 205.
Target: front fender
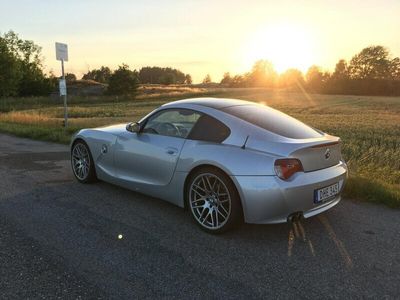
x: 101, y: 145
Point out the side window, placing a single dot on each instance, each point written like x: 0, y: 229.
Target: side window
x: 209, y: 129
x: 172, y: 122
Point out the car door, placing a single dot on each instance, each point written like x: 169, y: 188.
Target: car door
x: 150, y: 156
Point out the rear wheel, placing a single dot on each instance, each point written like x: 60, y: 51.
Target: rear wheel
x: 82, y: 162
x: 213, y: 200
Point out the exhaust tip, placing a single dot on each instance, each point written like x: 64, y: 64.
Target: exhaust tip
x: 296, y: 216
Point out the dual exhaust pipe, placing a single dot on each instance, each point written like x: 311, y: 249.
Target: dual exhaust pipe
x: 294, y: 217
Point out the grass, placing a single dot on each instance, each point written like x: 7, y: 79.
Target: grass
x: 368, y: 126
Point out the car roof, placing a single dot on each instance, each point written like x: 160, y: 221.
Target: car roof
x: 216, y: 103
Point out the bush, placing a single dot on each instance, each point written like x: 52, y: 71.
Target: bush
x: 123, y: 81
x: 157, y: 75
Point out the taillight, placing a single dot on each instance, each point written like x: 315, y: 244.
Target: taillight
x: 286, y: 167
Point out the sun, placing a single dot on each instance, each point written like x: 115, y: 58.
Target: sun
x: 285, y: 45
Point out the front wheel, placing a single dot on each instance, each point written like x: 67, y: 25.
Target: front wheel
x: 213, y: 200
x: 82, y: 162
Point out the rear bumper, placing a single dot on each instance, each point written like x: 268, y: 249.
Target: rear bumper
x: 268, y: 199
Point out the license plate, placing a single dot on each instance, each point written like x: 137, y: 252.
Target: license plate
x: 326, y: 193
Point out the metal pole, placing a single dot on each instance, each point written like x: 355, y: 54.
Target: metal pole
x: 65, y: 97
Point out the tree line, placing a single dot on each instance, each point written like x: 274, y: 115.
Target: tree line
x: 146, y: 75
x: 370, y: 72
x: 21, y: 72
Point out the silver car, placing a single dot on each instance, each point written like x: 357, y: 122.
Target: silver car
x: 224, y: 160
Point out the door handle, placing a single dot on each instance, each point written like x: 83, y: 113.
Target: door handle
x: 172, y: 151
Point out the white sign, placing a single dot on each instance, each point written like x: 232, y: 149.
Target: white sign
x: 62, y: 51
x: 63, y: 87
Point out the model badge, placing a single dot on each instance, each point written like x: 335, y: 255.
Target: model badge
x: 327, y: 153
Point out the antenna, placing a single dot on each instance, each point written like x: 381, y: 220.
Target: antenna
x: 245, y: 142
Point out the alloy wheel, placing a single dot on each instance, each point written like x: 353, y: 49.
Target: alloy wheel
x: 210, y: 201
x: 80, y: 161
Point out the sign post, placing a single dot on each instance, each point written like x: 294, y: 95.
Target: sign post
x: 62, y: 54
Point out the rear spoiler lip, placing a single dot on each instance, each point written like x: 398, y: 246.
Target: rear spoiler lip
x: 286, y: 148
x: 325, y: 144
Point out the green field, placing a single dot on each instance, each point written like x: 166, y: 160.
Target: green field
x: 368, y: 126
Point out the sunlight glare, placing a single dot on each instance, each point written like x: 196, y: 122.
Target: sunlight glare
x: 285, y: 45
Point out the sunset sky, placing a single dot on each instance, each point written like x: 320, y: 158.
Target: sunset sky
x: 201, y: 37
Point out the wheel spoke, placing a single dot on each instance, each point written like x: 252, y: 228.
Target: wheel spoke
x: 199, y: 199
x: 198, y: 206
x: 201, y: 215
x: 78, y: 150
x: 209, y: 184
x: 195, y: 190
x: 206, y: 217
x: 213, y: 185
x: 223, y: 209
x: 204, y: 184
x: 212, y: 218
x: 222, y: 215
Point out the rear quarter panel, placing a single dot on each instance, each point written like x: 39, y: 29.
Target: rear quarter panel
x: 233, y: 160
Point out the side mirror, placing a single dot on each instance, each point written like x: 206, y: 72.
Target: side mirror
x: 133, y: 127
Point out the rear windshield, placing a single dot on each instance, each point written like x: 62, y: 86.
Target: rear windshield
x: 273, y: 121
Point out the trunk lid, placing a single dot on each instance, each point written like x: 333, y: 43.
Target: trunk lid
x: 314, y: 153
x: 318, y: 156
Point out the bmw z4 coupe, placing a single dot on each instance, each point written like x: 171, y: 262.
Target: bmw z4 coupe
x: 224, y: 160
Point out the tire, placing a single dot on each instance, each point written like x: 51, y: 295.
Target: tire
x: 213, y: 201
x: 82, y: 163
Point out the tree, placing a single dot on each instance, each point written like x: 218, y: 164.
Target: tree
x: 291, y: 78
x: 263, y: 74
x: 22, y: 68
x: 188, y: 79
x: 395, y: 68
x: 157, y: 75
x: 207, y: 79
x: 10, y: 74
x: 340, y: 81
x: 26, y: 51
x: 123, y: 81
x: 167, y: 79
x: 371, y: 63
x: 341, y: 71
x: 34, y: 82
x: 240, y: 80
x: 70, y: 77
x: 101, y: 75
x: 226, y: 79
x: 316, y: 79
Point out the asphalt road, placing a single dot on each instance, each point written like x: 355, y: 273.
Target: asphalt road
x: 60, y: 239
